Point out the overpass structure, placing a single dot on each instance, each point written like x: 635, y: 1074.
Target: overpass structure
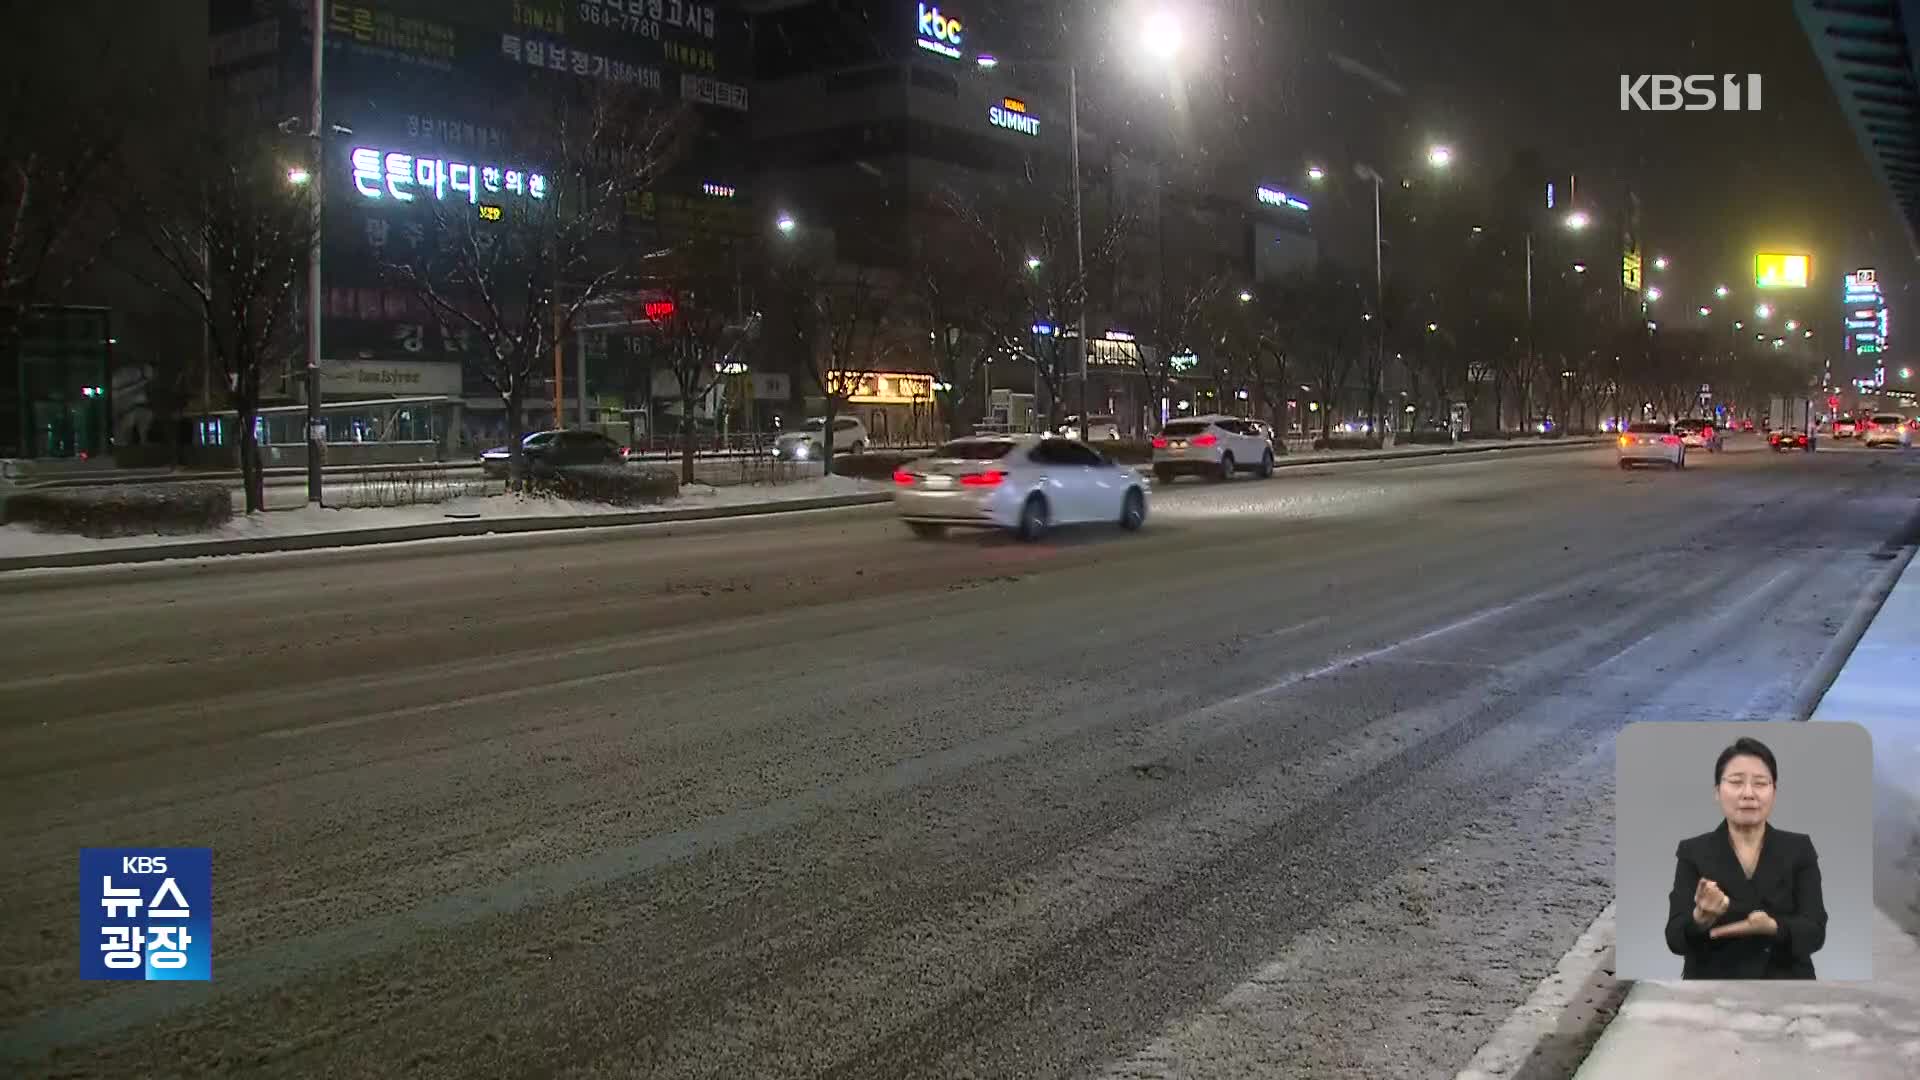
x: 1866, y: 48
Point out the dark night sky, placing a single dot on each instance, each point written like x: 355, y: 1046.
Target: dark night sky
x: 1493, y: 76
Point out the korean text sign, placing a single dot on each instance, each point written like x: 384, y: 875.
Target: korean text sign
x: 146, y: 913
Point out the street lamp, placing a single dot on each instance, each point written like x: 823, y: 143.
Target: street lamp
x: 1705, y: 311
x: 1792, y: 325
x: 1721, y: 292
x: 1440, y: 156
x: 1763, y: 312
x: 1433, y: 328
x: 1033, y: 262
x: 1653, y: 294
x: 298, y: 176
x: 786, y: 224
x: 1163, y: 34
x: 1578, y: 220
x: 1245, y: 296
x: 1316, y: 173
x: 1660, y: 262
x: 1579, y: 268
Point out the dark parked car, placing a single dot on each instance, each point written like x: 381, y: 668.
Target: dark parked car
x: 549, y: 450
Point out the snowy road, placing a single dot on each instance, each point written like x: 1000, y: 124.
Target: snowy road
x: 1312, y: 778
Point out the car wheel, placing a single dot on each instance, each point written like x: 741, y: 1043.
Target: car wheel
x: 1133, y: 510
x: 1226, y: 467
x: 927, y: 530
x: 1266, y: 465
x: 1033, y: 518
x: 1163, y: 474
x: 857, y: 448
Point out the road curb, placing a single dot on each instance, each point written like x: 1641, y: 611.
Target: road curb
x: 427, y: 531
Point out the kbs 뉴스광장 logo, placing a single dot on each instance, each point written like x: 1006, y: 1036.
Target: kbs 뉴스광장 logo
x: 146, y: 914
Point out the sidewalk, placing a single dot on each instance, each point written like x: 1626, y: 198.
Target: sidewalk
x: 1855, y: 1031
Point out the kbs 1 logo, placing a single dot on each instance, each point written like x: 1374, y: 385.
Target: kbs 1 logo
x: 938, y: 33
x: 1690, y: 93
x: 146, y: 914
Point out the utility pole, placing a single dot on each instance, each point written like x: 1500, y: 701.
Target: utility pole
x: 1079, y: 239
x: 316, y: 190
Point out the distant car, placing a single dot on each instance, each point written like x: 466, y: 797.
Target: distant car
x: 1099, y: 428
x: 1746, y: 426
x: 549, y: 450
x: 1844, y: 428
x: 1700, y: 433
x: 1887, y: 429
x: 1023, y: 483
x: 1785, y: 440
x: 1213, y: 446
x: 808, y: 441
x: 1652, y: 443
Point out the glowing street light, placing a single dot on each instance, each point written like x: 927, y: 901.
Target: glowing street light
x: 1763, y: 312
x: 1579, y: 268
x: 1660, y: 263
x: 988, y: 62
x: 1705, y: 311
x: 1792, y: 325
x: 1440, y: 156
x: 1721, y: 292
x: 786, y: 224
x: 1245, y: 296
x: 1164, y: 34
x: 1033, y: 262
x: 1578, y: 220
x: 298, y: 176
x: 1316, y: 173
x: 1653, y: 294
x: 1906, y: 373
x: 1433, y: 328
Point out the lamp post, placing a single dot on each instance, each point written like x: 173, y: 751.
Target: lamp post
x: 316, y: 188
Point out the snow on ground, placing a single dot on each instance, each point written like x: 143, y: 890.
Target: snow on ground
x: 18, y: 540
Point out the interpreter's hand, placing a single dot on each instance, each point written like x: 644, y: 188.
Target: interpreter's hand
x: 1709, y: 903
x: 1758, y: 924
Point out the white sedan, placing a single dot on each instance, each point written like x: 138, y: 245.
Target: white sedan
x: 1023, y: 483
x: 1652, y: 443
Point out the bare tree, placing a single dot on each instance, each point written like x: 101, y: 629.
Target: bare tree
x: 703, y: 329
x: 517, y: 275
x: 956, y: 293
x: 1170, y: 321
x: 229, y: 233
x: 837, y: 320
x: 1322, y: 313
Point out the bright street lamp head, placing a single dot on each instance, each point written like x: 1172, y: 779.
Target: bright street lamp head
x: 1660, y: 263
x: 1163, y: 34
x: 1705, y: 311
x: 1440, y: 156
x: 1315, y: 172
x: 298, y: 176
x: 1578, y: 220
x: 1721, y: 292
x: 1763, y: 312
x: 1653, y: 294
x: 786, y: 224
x: 1793, y: 324
x: 1245, y: 296
x: 1579, y: 268
x: 1033, y: 262
x: 1433, y: 327
x: 988, y: 62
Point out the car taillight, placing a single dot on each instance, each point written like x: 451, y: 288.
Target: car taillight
x: 1671, y: 440
x: 902, y: 477
x: 1206, y: 440
x: 1160, y: 442
x: 983, y: 479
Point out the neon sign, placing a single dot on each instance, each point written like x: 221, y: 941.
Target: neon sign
x: 1276, y: 197
x: 1011, y: 114
x: 718, y: 191
x: 939, y: 34
x: 402, y: 177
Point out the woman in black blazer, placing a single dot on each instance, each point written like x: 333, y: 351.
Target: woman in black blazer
x: 1746, y: 900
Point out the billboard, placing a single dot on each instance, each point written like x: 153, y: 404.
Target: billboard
x: 1776, y: 270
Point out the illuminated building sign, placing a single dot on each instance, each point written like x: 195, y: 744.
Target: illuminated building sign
x: 658, y: 309
x: 1011, y: 114
x: 938, y: 33
x: 1772, y: 270
x: 718, y: 191
x: 884, y: 387
x: 1864, y: 277
x: 1275, y: 197
x: 1630, y: 271
x: 490, y: 212
x: 1549, y: 194
x: 403, y: 177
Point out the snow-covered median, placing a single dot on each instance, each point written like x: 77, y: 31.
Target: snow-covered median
x: 22, y: 540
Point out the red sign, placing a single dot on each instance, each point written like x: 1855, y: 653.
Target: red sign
x: 659, y: 309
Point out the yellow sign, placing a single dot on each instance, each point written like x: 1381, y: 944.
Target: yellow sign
x: 884, y: 387
x: 1774, y: 270
x: 1630, y: 271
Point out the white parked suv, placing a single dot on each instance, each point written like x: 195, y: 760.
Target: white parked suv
x: 1099, y: 428
x: 807, y: 442
x: 1213, y: 446
x: 1887, y: 429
